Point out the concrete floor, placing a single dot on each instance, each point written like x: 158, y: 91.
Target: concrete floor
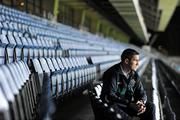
x: 75, y: 108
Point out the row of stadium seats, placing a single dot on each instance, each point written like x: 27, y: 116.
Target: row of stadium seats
x: 18, y: 91
x: 21, y: 23
x: 36, y: 53
x: 66, y: 74
x: 10, y: 53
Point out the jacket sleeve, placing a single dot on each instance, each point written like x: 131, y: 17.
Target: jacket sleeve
x: 139, y: 93
x: 109, y: 89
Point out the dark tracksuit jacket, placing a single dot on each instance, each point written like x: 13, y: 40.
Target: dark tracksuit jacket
x: 119, y: 89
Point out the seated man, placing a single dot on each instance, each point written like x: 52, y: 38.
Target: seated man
x: 123, y: 89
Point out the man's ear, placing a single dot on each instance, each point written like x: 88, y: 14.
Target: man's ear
x: 126, y: 61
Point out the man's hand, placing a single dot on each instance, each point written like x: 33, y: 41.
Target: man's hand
x: 141, y: 107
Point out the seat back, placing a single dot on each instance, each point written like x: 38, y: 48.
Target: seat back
x: 4, y: 107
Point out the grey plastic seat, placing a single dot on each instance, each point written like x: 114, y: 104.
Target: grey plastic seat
x: 56, y: 76
x: 16, y: 89
x: 80, y: 72
x: 2, y: 54
x: 22, y: 70
x: 34, y: 41
x: 83, y: 69
x: 64, y: 76
x: 35, y: 52
x: 45, y: 52
x: 72, y: 70
x: 24, y: 41
x: 11, y: 39
x: 44, y: 65
x: 39, y: 77
x: 4, y: 107
x: 54, y: 84
x: 69, y: 74
x: 18, y: 50
x: 77, y: 71
x: 9, y: 95
x: 18, y: 53
x: 56, y: 66
x: 50, y: 64
x: 41, y: 52
x: 53, y: 52
x: 9, y: 52
x: 17, y: 74
x: 59, y: 76
x: 26, y: 53
x: 19, y: 78
x: 58, y: 52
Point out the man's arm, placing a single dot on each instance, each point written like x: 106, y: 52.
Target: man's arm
x: 140, y: 94
x: 140, y: 99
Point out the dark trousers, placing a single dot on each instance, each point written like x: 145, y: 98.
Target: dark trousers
x: 149, y: 114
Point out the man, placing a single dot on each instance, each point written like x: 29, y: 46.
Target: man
x: 123, y: 89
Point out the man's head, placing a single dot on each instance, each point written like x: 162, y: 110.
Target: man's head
x: 130, y: 59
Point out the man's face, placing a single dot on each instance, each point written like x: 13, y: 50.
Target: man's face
x: 134, y: 62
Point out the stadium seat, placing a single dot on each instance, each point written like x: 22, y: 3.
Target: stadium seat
x: 4, y: 107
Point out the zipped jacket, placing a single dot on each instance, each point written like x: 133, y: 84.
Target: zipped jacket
x: 118, y: 88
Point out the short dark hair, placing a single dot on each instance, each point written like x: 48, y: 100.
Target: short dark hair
x: 128, y: 53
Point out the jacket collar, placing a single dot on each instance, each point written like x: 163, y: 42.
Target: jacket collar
x: 120, y: 72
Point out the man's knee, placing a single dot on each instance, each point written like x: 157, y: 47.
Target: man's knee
x: 150, y: 111
x: 150, y: 106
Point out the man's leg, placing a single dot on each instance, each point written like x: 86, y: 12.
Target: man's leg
x: 149, y: 114
x: 121, y: 111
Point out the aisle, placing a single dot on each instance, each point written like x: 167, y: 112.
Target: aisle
x: 75, y: 108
